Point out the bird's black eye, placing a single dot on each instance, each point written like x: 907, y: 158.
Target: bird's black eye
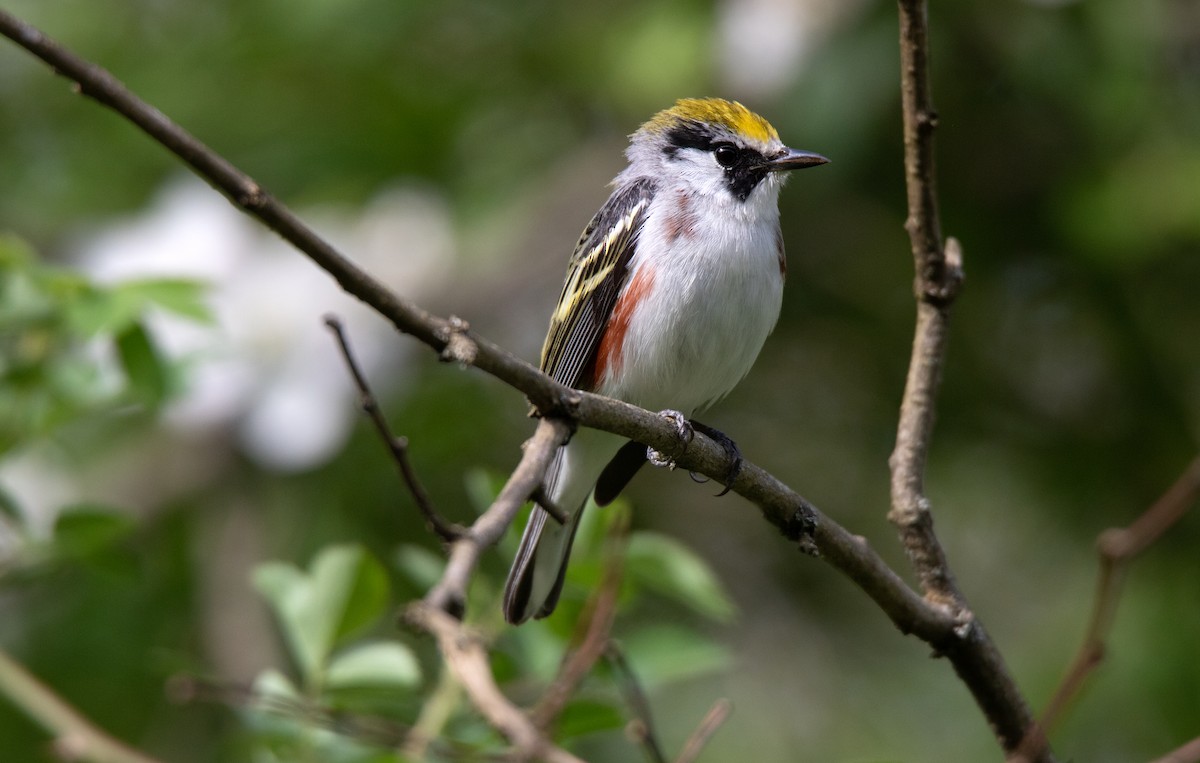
x: 726, y: 155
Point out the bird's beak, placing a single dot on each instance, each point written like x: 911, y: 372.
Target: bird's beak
x: 791, y: 159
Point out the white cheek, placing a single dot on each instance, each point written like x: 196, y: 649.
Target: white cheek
x: 700, y: 172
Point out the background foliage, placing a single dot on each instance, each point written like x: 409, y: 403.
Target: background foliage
x: 181, y: 454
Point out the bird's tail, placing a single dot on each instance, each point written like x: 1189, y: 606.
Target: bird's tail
x: 536, y: 578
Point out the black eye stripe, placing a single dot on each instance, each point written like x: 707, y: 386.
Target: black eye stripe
x: 743, y: 167
x: 689, y: 135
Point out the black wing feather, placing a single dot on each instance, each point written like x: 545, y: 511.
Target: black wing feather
x: 598, y: 269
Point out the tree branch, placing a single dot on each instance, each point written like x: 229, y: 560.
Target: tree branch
x: 938, y: 279
x: 1188, y: 753
x: 397, y: 446
x: 464, y: 655
x: 450, y: 592
x: 712, y: 721
x: 592, y: 633
x: 1117, y: 548
x: 641, y: 728
x: 467, y: 658
x: 937, y: 273
x: 75, y: 737
x: 369, y: 729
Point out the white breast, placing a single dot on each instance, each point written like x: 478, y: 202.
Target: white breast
x: 716, y: 294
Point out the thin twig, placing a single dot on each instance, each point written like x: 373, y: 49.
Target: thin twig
x: 441, y: 611
x: 397, y: 446
x: 1117, y: 547
x: 75, y: 737
x: 641, y: 728
x: 548, y: 505
x: 712, y: 721
x: 593, y: 629
x: 370, y: 729
x: 436, y: 711
x: 450, y: 592
x: 468, y: 659
x: 1123, y: 544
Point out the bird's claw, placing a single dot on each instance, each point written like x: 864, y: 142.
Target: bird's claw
x: 732, y: 452
x: 685, y: 432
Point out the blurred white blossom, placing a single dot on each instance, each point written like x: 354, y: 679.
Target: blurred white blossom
x: 763, y: 45
x: 267, y: 367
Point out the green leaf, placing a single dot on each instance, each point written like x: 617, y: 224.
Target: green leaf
x: 350, y: 579
x: 290, y: 594
x: 344, y: 590
x: 588, y: 716
x: 177, y: 295
x: 377, y: 663
x: 9, y: 506
x: 277, y: 581
x: 272, y: 684
x: 665, y: 565
x: 94, y: 312
x: 482, y: 488
x: 22, y: 304
x: 15, y: 253
x: 145, y: 370
x: 91, y: 311
x: 422, y: 566
x: 671, y: 653
x: 595, y: 525
x: 536, y: 651
x: 85, y: 529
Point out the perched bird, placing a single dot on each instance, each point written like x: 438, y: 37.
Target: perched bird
x: 670, y: 293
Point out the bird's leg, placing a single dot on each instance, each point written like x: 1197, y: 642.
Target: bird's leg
x: 732, y: 452
x: 683, y: 428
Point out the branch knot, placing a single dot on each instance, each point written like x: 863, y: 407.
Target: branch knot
x: 252, y: 196
x: 927, y: 120
x: 800, y: 528
x: 460, y: 347
x: 942, y: 277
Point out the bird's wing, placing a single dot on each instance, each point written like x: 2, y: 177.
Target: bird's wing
x: 598, y: 269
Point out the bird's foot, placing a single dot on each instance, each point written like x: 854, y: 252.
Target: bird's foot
x: 732, y: 452
x: 683, y: 429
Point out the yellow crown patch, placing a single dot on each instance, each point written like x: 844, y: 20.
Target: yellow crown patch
x: 729, y: 114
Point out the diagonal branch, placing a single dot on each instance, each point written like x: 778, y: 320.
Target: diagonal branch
x: 398, y: 446
x: 1117, y: 548
x: 709, y: 724
x: 450, y: 592
x: 76, y: 737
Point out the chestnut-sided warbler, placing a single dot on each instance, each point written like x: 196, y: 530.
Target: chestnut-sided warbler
x: 671, y: 291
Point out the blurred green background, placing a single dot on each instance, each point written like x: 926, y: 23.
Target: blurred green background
x: 164, y: 438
